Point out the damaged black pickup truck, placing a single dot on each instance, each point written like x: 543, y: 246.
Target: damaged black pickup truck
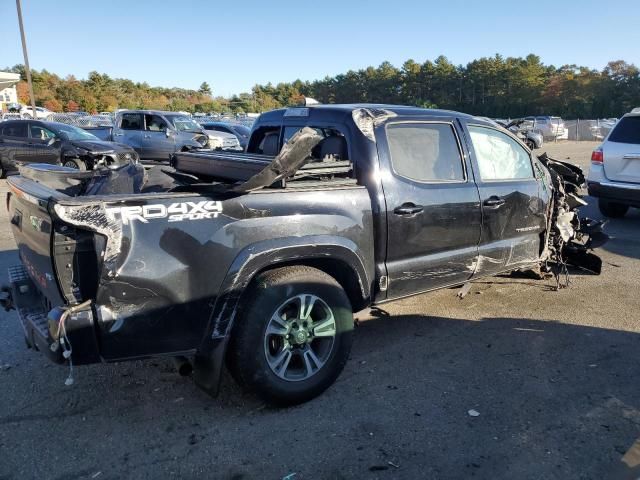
x: 258, y: 260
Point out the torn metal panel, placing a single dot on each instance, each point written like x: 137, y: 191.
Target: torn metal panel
x: 366, y: 119
x: 95, y: 218
x: 126, y: 178
x: 569, y: 238
x: 294, y: 154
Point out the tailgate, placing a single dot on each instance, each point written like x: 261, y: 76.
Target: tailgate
x: 32, y: 230
x: 621, y: 151
x: 61, y: 260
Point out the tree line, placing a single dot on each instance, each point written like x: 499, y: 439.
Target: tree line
x: 490, y: 86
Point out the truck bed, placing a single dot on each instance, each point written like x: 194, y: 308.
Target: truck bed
x: 233, y: 166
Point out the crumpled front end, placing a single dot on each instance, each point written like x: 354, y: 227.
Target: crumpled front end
x: 570, y: 238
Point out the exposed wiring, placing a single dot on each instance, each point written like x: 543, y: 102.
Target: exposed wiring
x: 63, y: 340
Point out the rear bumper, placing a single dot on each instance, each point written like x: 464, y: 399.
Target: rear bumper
x: 626, y: 193
x: 38, y: 322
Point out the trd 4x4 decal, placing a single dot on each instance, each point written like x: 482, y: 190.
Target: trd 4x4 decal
x: 176, y: 212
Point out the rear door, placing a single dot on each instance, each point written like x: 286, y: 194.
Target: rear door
x: 128, y: 130
x: 621, y: 151
x: 513, y: 214
x: 432, y: 202
x: 15, y: 144
x: 155, y: 142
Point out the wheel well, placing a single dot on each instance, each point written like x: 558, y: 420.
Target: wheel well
x: 338, y: 269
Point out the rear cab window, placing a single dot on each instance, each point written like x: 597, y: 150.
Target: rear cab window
x: 268, y: 140
x: 425, y: 152
x: 626, y: 131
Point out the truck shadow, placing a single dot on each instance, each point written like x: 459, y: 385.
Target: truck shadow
x: 545, y: 392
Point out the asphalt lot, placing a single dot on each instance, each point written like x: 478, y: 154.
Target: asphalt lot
x: 553, y: 375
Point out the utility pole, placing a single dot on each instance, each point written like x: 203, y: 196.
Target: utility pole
x: 26, y: 60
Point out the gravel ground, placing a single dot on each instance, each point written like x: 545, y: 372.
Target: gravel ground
x: 553, y: 376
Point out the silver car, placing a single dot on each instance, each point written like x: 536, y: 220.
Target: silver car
x: 614, y: 176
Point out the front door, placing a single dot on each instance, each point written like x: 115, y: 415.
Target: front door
x: 156, y: 144
x: 433, y: 208
x: 513, y: 214
x: 42, y: 142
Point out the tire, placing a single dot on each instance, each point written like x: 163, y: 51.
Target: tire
x: 74, y: 163
x: 612, y: 209
x: 275, y: 365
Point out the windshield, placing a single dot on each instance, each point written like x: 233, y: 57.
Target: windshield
x: 627, y: 131
x: 242, y: 130
x: 74, y: 133
x: 184, y: 124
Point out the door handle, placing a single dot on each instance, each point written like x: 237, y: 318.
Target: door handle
x: 494, y: 202
x: 118, y: 134
x: 147, y: 136
x: 408, y: 209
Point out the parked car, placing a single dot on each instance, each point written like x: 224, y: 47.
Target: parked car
x: 551, y: 128
x: 12, y: 116
x: 614, y: 176
x: 35, y: 141
x: 154, y: 134
x: 40, y: 113
x: 239, y: 131
x: 223, y: 141
x: 264, y: 267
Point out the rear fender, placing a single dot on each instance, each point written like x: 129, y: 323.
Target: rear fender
x: 247, y: 264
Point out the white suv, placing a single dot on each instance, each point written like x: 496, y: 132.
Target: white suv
x: 614, y: 176
x: 41, y: 113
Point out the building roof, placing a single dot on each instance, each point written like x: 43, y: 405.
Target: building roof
x: 8, y: 79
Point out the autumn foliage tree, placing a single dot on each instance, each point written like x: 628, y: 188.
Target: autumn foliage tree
x: 489, y: 86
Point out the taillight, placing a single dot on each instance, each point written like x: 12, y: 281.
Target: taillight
x: 597, y: 156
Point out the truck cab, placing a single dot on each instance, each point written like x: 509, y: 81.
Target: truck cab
x: 156, y: 135
x: 259, y: 259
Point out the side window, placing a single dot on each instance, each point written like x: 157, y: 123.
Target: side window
x: 15, y: 129
x: 425, y: 152
x: 40, y: 133
x: 131, y: 121
x: 155, y: 123
x: 499, y: 156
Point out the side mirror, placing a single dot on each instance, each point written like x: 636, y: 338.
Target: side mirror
x: 168, y: 133
x: 51, y: 141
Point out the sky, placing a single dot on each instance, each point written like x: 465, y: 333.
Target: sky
x: 234, y: 45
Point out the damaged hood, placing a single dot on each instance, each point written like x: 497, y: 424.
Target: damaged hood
x: 100, y: 146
